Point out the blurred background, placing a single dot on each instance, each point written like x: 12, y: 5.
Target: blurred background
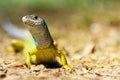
x: 68, y: 13
x: 71, y: 22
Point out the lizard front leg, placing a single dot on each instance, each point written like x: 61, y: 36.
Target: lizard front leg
x: 63, y: 59
x: 28, y: 59
x: 31, y: 57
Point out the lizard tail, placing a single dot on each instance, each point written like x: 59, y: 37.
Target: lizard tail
x: 15, y: 31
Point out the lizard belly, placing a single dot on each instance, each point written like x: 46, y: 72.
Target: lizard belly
x: 46, y: 55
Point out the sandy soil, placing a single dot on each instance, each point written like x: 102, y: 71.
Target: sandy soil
x: 93, y: 53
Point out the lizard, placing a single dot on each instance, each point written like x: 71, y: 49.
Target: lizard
x: 39, y: 48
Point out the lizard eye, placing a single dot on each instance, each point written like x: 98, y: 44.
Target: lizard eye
x: 36, y: 17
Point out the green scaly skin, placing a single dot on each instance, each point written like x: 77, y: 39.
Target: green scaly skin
x: 39, y: 48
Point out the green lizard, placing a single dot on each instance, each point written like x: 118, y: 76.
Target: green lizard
x: 39, y: 47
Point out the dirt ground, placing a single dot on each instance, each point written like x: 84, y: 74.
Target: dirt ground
x: 93, y: 53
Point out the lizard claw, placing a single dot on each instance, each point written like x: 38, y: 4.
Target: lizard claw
x: 67, y: 67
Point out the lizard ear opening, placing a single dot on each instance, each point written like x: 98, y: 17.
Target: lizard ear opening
x: 36, y: 17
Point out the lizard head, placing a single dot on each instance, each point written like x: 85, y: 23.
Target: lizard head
x: 32, y: 20
x: 38, y: 29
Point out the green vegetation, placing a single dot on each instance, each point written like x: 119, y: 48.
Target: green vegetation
x: 51, y: 3
x: 87, y: 11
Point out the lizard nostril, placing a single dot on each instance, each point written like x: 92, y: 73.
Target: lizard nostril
x: 36, y: 17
